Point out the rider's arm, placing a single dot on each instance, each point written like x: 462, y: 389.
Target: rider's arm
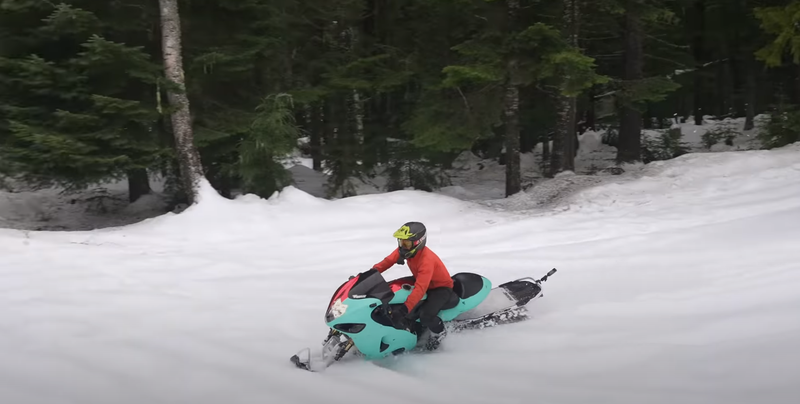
x: 387, y: 262
x: 423, y: 279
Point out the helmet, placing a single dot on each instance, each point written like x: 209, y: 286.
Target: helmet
x: 411, y: 238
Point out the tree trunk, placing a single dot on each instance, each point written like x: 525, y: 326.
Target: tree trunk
x: 513, y: 171
x: 545, y: 156
x: 511, y: 112
x: 749, y: 92
x: 188, y: 156
x: 565, y: 140
x: 794, y: 75
x: 317, y: 129
x: 630, y: 126
x: 561, y: 132
x: 725, y: 83
x: 745, y: 72
x: 697, y: 50
x: 138, y: 184
x: 590, y: 110
x: 358, y: 116
x: 570, y: 142
x: 564, y: 124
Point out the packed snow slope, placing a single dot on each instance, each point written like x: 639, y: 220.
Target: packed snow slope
x: 679, y: 287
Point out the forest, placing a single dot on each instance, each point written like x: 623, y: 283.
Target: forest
x: 92, y: 90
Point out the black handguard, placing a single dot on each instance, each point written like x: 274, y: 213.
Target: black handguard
x: 398, y: 313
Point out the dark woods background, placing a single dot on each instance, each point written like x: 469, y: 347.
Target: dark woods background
x: 396, y: 85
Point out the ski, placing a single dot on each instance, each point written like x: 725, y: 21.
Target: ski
x: 334, y: 347
x: 516, y: 293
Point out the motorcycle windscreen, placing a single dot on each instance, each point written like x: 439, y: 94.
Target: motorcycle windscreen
x: 371, y: 284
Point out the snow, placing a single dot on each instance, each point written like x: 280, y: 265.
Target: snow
x: 677, y: 282
x: 97, y: 207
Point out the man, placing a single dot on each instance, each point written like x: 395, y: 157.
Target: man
x: 430, y: 275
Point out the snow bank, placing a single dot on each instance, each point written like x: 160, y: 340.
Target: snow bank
x: 693, y: 179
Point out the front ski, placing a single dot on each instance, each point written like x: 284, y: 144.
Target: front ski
x: 334, y: 347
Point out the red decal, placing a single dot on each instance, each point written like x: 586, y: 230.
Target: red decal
x: 397, y: 284
x: 343, y: 291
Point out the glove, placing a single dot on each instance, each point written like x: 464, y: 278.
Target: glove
x: 398, y: 313
x: 364, y: 273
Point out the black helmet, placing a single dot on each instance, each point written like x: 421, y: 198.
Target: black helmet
x: 411, y: 238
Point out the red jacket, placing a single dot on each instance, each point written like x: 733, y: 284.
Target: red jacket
x: 428, y: 270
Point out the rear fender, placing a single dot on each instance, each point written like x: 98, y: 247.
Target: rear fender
x: 469, y: 303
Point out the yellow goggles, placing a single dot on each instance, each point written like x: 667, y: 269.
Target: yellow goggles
x: 407, y: 244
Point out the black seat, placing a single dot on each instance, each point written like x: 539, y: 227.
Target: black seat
x: 467, y: 284
x: 453, y: 302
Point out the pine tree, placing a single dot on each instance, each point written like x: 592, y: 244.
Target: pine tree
x: 78, y: 105
x: 635, y: 84
x: 504, y: 57
x: 780, y: 23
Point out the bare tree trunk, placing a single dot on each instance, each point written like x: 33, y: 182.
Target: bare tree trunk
x: 745, y: 71
x: 138, y: 184
x: 591, y: 116
x: 571, y: 140
x: 352, y: 38
x: 513, y: 169
x: 561, y: 132
x: 358, y: 116
x: 188, y: 156
x: 317, y: 129
x: 570, y: 146
x: 511, y: 110
x: 545, y: 156
x: 697, y: 45
x: 630, y: 126
x: 749, y: 92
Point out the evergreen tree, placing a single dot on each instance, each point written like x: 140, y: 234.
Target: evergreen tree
x: 369, y: 87
x: 77, y: 97
x: 780, y: 23
x: 507, y: 55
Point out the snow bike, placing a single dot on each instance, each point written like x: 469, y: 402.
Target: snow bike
x: 358, y: 314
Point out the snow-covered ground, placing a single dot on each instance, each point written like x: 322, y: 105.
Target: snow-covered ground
x: 97, y: 207
x: 677, y: 286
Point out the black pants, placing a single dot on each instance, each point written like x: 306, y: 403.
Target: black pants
x: 428, y: 310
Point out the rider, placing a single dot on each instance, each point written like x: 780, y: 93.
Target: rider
x: 430, y: 275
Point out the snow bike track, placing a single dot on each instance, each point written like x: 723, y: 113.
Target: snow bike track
x: 680, y: 286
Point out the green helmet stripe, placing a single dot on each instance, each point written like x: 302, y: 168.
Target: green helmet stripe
x: 404, y: 233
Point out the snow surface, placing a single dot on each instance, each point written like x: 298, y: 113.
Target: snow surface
x: 97, y: 207
x: 679, y: 286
